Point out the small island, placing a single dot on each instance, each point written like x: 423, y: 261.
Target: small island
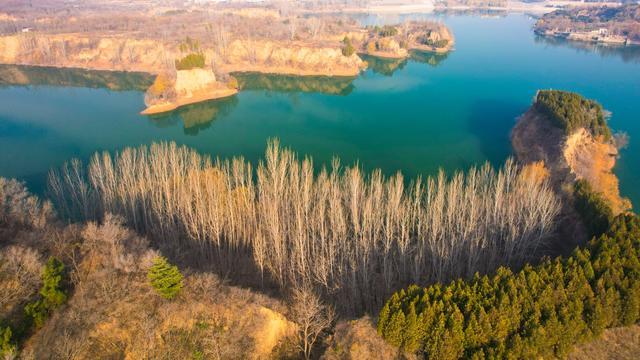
x: 397, y: 41
x: 608, y: 25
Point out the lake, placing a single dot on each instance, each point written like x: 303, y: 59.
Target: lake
x: 414, y: 116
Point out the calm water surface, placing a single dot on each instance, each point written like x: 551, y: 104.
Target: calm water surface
x: 413, y: 116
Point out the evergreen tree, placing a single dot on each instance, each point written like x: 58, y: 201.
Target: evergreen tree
x: 541, y: 311
x: 165, y: 278
x: 52, y: 293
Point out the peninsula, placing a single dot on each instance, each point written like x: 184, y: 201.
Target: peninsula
x: 619, y: 25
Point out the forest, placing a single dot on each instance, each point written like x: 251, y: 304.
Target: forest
x: 570, y: 112
x: 541, y: 310
x: 351, y: 237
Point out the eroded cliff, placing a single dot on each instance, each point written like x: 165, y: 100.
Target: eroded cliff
x: 170, y: 91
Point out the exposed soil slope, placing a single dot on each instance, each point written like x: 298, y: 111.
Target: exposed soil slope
x: 187, y: 87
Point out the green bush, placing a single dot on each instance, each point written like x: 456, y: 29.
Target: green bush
x: 441, y: 43
x: 347, y: 48
x: 191, y: 61
x: 540, y: 311
x: 52, y: 293
x: 570, y: 111
x: 165, y: 278
x: 8, y: 347
x: 387, y: 30
x: 592, y: 207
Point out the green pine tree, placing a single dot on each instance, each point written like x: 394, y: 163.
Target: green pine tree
x: 412, y: 339
x: 394, y: 329
x: 52, y: 293
x: 165, y: 278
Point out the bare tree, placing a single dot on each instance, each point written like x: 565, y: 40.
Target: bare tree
x: 292, y: 27
x: 315, y: 26
x: 314, y: 319
x: 358, y: 237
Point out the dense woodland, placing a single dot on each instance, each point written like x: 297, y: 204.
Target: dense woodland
x: 570, y: 112
x: 351, y: 237
x: 542, y: 310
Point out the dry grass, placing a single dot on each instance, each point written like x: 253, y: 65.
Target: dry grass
x: 619, y: 344
x: 358, y: 339
x: 114, y: 312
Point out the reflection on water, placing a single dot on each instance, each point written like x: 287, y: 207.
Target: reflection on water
x: 626, y: 53
x: 383, y: 66
x: 195, y: 117
x: 40, y: 75
x: 388, y: 67
x: 287, y: 83
x: 429, y: 58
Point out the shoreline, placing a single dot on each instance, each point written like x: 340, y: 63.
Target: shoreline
x: 200, y: 96
x: 584, y: 38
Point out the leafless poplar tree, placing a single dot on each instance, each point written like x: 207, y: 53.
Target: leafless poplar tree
x: 312, y: 317
x: 344, y: 233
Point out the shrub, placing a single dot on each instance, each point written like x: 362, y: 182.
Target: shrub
x: 371, y: 46
x: 161, y: 90
x: 232, y: 83
x: 8, y: 347
x: 570, y: 112
x: 191, y: 61
x: 20, y: 209
x: 592, y: 207
x: 441, y: 43
x: 540, y: 311
x: 165, y: 278
x: 347, y: 48
x: 52, y: 293
x: 387, y: 30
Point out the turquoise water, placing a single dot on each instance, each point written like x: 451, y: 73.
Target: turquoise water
x: 416, y: 116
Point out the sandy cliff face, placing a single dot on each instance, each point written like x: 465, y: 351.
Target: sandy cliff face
x: 291, y: 59
x: 192, y: 81
x: 71, y: 50
x: 186, y: 87
x: 116, y: 53
x: 594, y: 161
x: 567, y: 159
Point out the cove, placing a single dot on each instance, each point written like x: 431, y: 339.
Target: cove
x: 416, y: 116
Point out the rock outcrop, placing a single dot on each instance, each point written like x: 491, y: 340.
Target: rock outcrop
x: 396, y: 42
x: 287, y: 59
x: 567, y: 158
x: 153, y: 56
x: 578, y: 155
x: 186, y: 87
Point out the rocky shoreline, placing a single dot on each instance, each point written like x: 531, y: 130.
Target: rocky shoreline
x: 565, y: 158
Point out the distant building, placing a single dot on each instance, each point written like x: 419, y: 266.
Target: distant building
x: 26, y: 30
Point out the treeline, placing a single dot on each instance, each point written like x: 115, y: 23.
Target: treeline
x: 538, y: 312
x: 353, y: 238
x: 570, y: 112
